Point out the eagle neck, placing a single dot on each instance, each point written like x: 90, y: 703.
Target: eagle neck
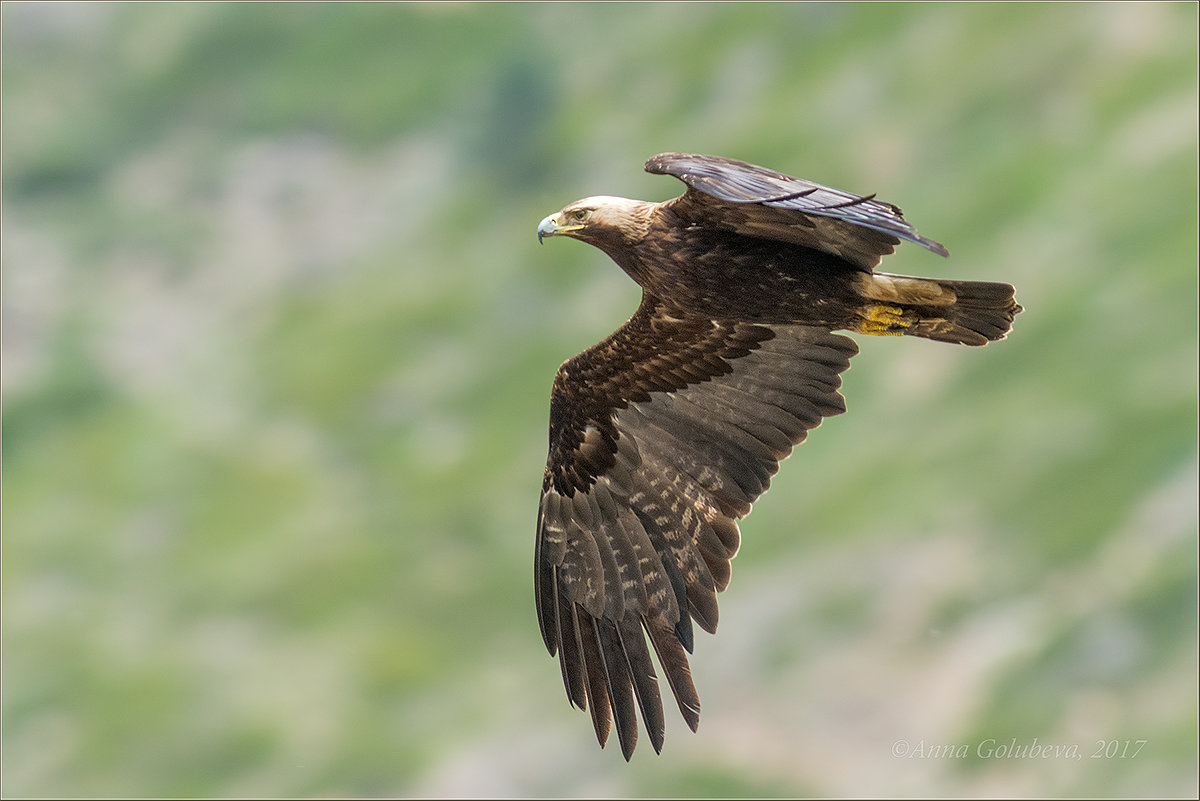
x: 625, y: 249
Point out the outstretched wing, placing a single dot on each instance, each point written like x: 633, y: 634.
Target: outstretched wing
x: 661, y: 437
x: 752, y: 200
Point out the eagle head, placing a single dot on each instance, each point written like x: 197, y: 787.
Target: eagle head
x: 603, y: 221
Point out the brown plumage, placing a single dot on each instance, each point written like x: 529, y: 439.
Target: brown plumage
x: 664, y: 434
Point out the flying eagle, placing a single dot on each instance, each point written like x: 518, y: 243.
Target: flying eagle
x: 664, y: 434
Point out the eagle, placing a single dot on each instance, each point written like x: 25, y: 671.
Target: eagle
x: 665, y: 433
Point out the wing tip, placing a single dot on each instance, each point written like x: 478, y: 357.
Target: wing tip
x: 931, y: 245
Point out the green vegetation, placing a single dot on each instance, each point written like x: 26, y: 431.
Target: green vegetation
x: 277, y: 348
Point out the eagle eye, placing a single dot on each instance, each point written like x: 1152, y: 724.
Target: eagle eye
x: 577, y: 215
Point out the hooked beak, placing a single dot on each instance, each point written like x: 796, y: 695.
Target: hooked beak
x: 547, y: 227
x: 550, y: 227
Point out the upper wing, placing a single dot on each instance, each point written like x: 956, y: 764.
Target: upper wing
x: 661, y: 437
x: 759, y: 202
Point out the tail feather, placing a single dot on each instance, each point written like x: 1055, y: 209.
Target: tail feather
x: 964, y: 312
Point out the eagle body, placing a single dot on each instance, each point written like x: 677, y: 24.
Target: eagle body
x: 724, y: 275
x: 664, y: 434
x: 707, y: 272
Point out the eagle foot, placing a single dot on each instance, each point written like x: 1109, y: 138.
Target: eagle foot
x: 881, y: 320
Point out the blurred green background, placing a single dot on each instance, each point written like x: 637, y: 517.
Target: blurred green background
x: 278, y: 342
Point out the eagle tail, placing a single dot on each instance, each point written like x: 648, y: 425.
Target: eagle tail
x: 963, y: 312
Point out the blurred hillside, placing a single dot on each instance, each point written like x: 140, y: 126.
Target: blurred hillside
x: 277, y: 349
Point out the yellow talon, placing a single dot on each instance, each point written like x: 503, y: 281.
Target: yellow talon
x: 883, y: 321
